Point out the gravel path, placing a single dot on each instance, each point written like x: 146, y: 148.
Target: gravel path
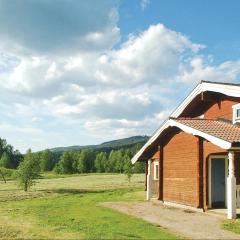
x: 188, y: 224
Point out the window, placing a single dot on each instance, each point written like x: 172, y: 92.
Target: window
x: 156, y: 171
x: 236, y: 113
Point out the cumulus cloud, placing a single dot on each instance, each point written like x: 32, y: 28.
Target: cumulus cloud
x: 74, y: 82
x: 200, y: 68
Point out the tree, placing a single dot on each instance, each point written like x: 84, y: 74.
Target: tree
x: 100, y: 162
x: 17, y: 158
x: 28, y: 170
x: 65, y: 165
x: 128, y: 170
x: 3, y: 145
x: 86, y: 161
x: 46, y: 160
x: 139, y: 167
x: 5, y: 160
x: 119, y: 161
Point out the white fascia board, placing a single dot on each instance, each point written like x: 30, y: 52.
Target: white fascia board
x: 217, y: 141
x: 186, y: 101
x: 229, y: 90
x: 150, y: 141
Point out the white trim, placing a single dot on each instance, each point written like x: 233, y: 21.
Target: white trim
x: 155, y: 164
x: 150, y: 141
x: 234, y: 115
x: 217, y: 141
x: 149, y: 194
x: 172, y: 123
x: 231, y: 187
x: 229, y: 90
x: 210, y: 177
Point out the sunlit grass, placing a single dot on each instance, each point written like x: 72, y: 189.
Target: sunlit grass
x: 69, y: 208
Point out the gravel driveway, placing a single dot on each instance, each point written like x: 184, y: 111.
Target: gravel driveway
x: 193, y: 225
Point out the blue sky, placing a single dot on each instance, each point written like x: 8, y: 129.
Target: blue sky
x: 213, y: 23
x: 84, y: 72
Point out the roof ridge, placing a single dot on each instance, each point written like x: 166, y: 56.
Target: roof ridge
x: 188, y: 118
x: 223, y: 83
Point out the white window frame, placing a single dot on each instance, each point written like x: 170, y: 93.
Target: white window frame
x: 155, y: 164
x: 236, y: 107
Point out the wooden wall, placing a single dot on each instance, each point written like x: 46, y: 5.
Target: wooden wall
x: 222, y: 109
x: 181, y: 161
x: 180, y: 174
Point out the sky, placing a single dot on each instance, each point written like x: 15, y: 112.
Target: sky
x: 85, y: 72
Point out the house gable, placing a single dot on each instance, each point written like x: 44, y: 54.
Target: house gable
x: 208, y: 98
x: 211, y: 106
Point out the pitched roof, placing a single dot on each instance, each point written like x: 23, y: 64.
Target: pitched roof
x: 227, y: 89
x: 219, y: 129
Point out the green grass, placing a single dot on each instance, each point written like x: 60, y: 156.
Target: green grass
x: 69, y: 208
x: 232, y: 225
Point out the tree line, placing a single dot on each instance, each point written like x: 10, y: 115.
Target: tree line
x: 30, y: 165
x: 89, y: 161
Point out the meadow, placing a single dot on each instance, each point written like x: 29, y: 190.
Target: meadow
x: 69, y: 207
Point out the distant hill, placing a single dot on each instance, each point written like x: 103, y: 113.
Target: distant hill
x: 107, y: 146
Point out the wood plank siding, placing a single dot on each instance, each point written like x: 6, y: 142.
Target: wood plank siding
x: 183, y: 160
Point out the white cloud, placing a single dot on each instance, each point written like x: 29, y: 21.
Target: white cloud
x: 97, y: 88
x: 120, y: 128
x: 200, y: 68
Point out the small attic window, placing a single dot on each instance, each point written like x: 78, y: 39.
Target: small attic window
x: 156, y: 171
x: 236, y: 113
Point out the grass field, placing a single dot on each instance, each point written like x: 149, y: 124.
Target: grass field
x: 69, y: 208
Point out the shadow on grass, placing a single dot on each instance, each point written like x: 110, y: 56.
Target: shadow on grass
x: 18, y: 195
x: 75, y: 191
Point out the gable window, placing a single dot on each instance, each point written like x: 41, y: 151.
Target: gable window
x: 236, y: 113
x: 156, y: 171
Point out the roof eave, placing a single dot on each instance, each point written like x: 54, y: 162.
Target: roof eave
x: 203, y: 86
x: 215, y: 140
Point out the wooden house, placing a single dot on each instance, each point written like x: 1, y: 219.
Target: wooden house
x: 193, y: 158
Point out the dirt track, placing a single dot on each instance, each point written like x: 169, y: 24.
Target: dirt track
x: 188, y: 224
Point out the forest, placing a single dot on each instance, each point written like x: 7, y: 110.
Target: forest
x: 86, y: 160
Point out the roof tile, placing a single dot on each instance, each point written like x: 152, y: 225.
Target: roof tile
x: 220, y: 129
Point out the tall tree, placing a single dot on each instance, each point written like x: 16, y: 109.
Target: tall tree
x: 5, y: 160
x: 86, y: 161
x: 128, y: 170
x: 47, y: 160
x: 101, y: 162
x: 65, y: 165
